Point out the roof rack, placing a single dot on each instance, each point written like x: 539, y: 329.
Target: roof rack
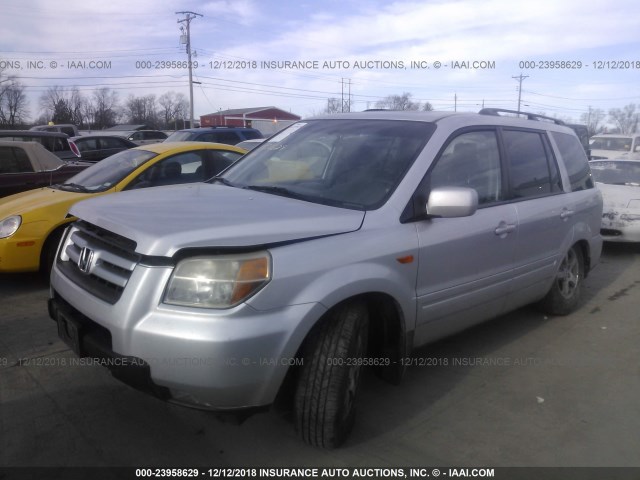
x: 529, y: 115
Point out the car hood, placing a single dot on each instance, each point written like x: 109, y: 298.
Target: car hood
x: 620, y: 196
x: 610, y: 154
x: 164, y: 220
x: 32, y: 201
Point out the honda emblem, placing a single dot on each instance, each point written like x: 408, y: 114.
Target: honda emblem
x: 85, y: 260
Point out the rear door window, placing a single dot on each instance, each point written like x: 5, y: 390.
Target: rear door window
x: 532, y: 169
x: 230, y: 138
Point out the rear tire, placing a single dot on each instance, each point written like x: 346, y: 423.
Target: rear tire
x: 565, y: 293
x: 326, y: 390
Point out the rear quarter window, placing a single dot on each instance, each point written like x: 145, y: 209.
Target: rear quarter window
x: 14, y: 160
x: 575, y: 161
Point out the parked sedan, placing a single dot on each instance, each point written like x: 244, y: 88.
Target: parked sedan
x: 28, y: 165
x: 31, y: 223
x: 619, y: 181
x: 55, y: 142
x: 96, y: 147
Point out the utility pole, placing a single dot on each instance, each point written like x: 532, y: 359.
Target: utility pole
x: 520, y: 78
x: 187, y: 19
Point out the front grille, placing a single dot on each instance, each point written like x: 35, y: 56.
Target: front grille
x: 97, y: 260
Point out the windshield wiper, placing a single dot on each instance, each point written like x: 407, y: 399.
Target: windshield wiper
x: 285, y: 192
x: 72, y: 186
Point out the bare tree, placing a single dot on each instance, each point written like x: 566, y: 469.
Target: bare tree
x: 398, y: 102
x: 593, y: 120
x: 105, y: 108
x: 13, y: 101
x: 142, y: 110
x: 174, y: 107
x: 334, y: 105
x: 625, y: 119
x: 13, y: 108
x: 62, y: 106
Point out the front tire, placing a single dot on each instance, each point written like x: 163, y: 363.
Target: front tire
x: 565, y: 293
x: 49, y: 250
x: 326, y: 390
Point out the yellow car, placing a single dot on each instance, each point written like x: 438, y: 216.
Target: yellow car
x: 31, y: 223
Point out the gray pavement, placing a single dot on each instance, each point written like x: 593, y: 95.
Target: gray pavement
x: 521, y: 390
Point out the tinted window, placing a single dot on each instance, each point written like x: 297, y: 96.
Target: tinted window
x: 154, y: 136
x: 207, y: 137
x: 251, y: 134
x: 86, y: 145
x: 230, y: 138
x: 112, y: 143
x: 14, y: 160
x: 575, y: 161
x: 471, y: 160
x: 530, y: 172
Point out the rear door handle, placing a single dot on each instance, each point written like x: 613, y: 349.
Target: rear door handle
x: 566, y: 213
x: 504, y: 229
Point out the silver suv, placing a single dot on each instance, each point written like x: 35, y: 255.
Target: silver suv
x: 340, y: 243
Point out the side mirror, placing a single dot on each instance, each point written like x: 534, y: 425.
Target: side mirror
x: 452, y: 202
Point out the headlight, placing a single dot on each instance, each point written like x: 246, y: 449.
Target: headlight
x: 10, y: 225
x: 218, y: 282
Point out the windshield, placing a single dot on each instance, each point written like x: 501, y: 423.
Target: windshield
x: 108, y: 172
x: 617, y: 144
x: 343, y: 162
x: 616, y: 173
x: 179, y: 137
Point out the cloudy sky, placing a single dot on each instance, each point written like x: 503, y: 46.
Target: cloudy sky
x: 370, y: 49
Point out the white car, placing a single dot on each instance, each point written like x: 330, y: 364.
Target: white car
x: 615, y: 146
x: 619, y: 182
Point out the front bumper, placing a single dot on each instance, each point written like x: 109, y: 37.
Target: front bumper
x: 20, y: 254
x: 620, y: 226
x: 215, y: 359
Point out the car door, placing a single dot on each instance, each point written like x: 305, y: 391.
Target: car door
x: 89, y: 149
x: 110, y: 146
x: 544, y: 216
x: 465, y: 264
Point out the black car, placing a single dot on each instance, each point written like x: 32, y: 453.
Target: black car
x: 55, y: 142
x: 96, y: 147
x: 228, y: 135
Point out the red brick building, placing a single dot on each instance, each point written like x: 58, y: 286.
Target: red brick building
x: 266, y: 119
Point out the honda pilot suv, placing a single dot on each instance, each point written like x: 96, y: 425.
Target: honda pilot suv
x: 343, y: 242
